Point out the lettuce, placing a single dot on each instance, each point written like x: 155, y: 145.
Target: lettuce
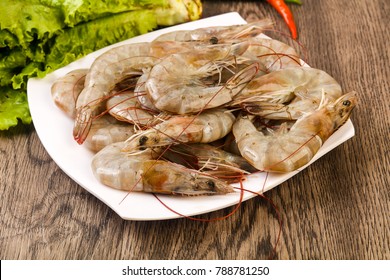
x: 29, y: 21
x: 40, y: 36
x: 77, y: 11
x: 40, y: 20
x: 85, y: 38
x: 7, y: 39
x: 13, y: 107
x: 6, y: 76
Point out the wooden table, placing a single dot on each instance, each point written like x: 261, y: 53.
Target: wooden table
x: 338, y: 208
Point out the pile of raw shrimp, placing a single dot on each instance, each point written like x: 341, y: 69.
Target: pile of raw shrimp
x: 195, y: 110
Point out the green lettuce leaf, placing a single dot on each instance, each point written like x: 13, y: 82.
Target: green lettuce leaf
x: 85, y: 38
x: 29, y: 21
x: 13, y: 107
x: 6, y: 75
x: 88, y: 37
x: 39, y: 20
x: 77, y: 11
x: 19, y: 81
x: 40, y: 36
x: 7, y: 39
x: 13, y: 58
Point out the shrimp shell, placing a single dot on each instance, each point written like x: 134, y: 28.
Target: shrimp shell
x: 218, y: 34
x: 66, y: 89
x: 206, y: 127
x: 272, y: 54
x: 124, y: 106
x: 105, y: 131
x: 140, y: 93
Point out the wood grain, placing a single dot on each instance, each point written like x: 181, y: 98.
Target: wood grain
x: 338, y: 208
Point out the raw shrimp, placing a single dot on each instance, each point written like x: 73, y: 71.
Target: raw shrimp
x: 288, y: 93
x: 218, y: 34
x: 272, y: 54
x: 124, y: 106
x: 178, y: 84
x: 206, y: 127
x: 106, y: 130
x: 141, y: 172
x: 107, y: 70
x: 288, y: 150
x: 65, y: 90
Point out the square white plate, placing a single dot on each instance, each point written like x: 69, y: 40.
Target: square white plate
x: 54, y: 129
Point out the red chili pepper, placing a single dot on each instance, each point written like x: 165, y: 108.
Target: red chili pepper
x: 282, y: 8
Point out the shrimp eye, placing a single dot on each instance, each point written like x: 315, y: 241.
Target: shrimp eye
x: 214, y: 40
x: 211, y: 184
x: 347, y: 103
x: 143, y: 140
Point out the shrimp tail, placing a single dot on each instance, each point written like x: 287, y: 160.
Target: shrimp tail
x: 83, y: 124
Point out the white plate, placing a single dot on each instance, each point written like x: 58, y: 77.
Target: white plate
x: 54, y: 129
